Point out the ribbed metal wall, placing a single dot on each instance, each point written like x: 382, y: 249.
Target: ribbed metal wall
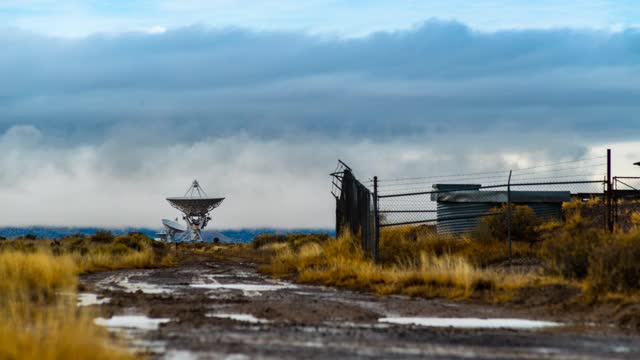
x: 546, y: 211
x: 474, y: 211
x: 455, y: 210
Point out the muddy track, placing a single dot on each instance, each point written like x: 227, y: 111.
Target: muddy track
x: 225, y: 309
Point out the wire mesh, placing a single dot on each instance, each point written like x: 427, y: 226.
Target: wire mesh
x: 626, y: 202
x: 456, y: 204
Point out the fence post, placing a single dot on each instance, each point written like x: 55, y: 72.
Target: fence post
x: 609, y: 205
x: 509, y: 216
x: 376, y: 219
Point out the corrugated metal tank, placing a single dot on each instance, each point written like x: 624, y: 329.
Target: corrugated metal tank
x: 451, y: 212
x: 460, y: 208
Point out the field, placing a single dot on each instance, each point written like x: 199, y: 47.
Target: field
x: 262, y: 299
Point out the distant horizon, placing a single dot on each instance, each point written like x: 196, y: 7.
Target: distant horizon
x: 235, y: 235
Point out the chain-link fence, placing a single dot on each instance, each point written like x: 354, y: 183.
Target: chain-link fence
x: 506, y: 203
x: 626, y: 201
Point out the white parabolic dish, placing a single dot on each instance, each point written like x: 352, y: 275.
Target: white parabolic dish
x: 194, y: 206
x: 174, y: 225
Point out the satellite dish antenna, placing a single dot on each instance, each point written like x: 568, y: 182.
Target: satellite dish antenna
x: 196, y: 206
x: 172, y: 228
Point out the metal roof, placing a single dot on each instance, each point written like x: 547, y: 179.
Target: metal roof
x: 501, y: 196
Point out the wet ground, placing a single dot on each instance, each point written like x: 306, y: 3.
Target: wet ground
x: 226, y: 310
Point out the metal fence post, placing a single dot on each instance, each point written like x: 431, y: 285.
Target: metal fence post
x: 376, y: 219
x: 509, y: 215
x: 609, y: 194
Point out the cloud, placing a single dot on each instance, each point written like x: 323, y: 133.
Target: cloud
x: 98, y: 130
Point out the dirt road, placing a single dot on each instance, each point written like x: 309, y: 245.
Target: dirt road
x: 226, y: 310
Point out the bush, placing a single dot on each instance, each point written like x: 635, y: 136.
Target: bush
x: 102, y: 237
x: 568, y: 251
x: 524, y: 223
x: 404, y: 244
x: 294, y: 240
x: 614, y: 264
x: 133, y: 242
x: 264, y: 239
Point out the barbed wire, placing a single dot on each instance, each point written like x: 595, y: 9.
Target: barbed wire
x: 490, y: 172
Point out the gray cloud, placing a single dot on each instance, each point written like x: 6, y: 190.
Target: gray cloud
x: 263, y: 116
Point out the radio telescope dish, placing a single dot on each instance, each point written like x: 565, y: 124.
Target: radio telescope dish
x: 172, y: 228
x: 196, y: 206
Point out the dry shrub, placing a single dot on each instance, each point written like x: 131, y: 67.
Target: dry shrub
x: 568, y: 251
x: 265, y: 239
x: 102, y: 236
x: 294, y: 240
x: 614, y: 264
x: 341, y: 262
x: 406, y: 243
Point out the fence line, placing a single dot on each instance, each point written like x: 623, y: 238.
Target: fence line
x: 455, y: 204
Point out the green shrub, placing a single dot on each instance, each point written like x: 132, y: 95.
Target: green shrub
x: 524, y: 222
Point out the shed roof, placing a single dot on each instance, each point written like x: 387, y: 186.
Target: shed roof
x: 476, y: 196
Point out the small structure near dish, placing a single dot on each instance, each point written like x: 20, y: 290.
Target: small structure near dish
x: 460, y: 207
x: 195, y: 206
x: 172, y: 227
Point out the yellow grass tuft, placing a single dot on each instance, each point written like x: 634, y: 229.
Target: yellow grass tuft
x: 40, y: 319
x: 34, y: 276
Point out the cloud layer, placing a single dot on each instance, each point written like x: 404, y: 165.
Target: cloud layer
x: 118, y: 122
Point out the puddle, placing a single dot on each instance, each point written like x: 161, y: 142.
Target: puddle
x: 139, y: 322
x: 146, y: 288
x: 147, y: 346
x: 239, y: 317
x: 123, y: 283
x: 470, y: 323
x: 180, y: 355
x: 86, y: 299
x: 249, y: 290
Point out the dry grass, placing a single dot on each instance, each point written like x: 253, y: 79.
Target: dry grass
x: 99, y: 252
x: 340, y: 262
x: 40, y: 319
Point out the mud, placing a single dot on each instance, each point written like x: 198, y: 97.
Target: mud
x: 312, y: 322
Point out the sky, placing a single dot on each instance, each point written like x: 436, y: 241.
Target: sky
x: 108, y: 107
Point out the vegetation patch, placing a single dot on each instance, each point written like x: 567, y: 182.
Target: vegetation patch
x: 40, y: 319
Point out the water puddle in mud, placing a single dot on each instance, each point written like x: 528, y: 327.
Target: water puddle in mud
x: 239, y: 317
x: 180, y: 355
x: 87, y: 299
x: 470, y: 323
x: 145, y: 287
x: 243, y: 287
x: 139, y: 322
